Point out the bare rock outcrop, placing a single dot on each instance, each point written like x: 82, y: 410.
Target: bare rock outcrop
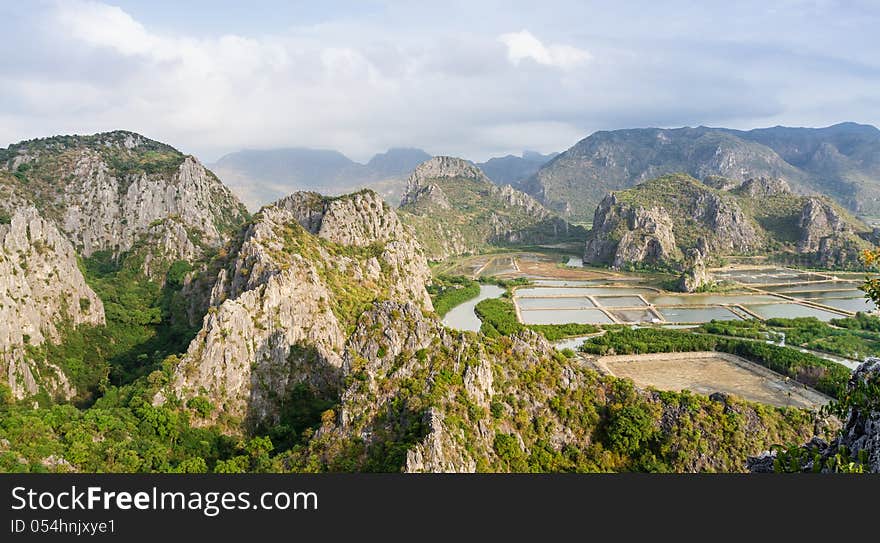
x: 624, y: 235
x: 105, y: 212
x: 695, y: 275
x: 731, y: 230
x: 42, y: 290
x: 826, y: 235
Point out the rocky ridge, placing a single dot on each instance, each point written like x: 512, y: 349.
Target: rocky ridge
x: 838, y: 161
x: 423, y: 398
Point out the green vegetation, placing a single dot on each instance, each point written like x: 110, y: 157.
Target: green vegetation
x: 625, y: 340
x: 122, y: 432
x: 146, y: 322
x: 555, y: 332
x: 608, y: 425
x: 499, y: 318
x: 449, y: 291
x: 852, y: 337
x: 823, y: 375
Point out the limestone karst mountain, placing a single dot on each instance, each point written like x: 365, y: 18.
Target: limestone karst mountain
x: 454, y: 209
x: 108, y: 192
x: 659, y: 221
x: 116, y: 198
x: 839, y: 161
x: 283, y: 307
x: 152, y: 325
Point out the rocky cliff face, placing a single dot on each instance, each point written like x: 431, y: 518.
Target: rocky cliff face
x: 826, y: 234
x: 110, y: 191
x: 695, y: 275
x: 623, y: 235
x: 41, y: 291
x: 759, y: 215
x: 102, y: 214
x: 285, y: 306
x: 455, y: 208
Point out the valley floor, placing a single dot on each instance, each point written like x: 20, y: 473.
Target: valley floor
x: 779, y: 300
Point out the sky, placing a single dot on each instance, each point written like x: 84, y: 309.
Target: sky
x: 466, y: 78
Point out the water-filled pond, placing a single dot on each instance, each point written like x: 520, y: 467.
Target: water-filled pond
x: 850, y: 304
x: 697, y: 314
x: 543, y: 292
x: 620, y: 301
x: 710, y: 299
x: 635, y: 315
x: 767, y: 277
x: 790, y: 311
x: 824, y: 286
x: 554, y: 303
x: 829, y: 294
x: 580, y: 316
x: 462, y: 317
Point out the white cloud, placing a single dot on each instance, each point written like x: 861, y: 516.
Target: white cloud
x: 459, y: 84
x: 523, y: 45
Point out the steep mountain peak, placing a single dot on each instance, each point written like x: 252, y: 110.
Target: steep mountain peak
x: 357, y: 219
x: 284, y: 306
x: 439, y: 167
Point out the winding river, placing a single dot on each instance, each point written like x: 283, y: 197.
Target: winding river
x: 462, y: 317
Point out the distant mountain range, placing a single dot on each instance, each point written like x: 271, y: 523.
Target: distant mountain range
x: 840, y: 161
x: 259, y: 177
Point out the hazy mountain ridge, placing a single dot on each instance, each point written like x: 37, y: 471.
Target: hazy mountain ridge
x: 837, y: 161
x: 261, y: 177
